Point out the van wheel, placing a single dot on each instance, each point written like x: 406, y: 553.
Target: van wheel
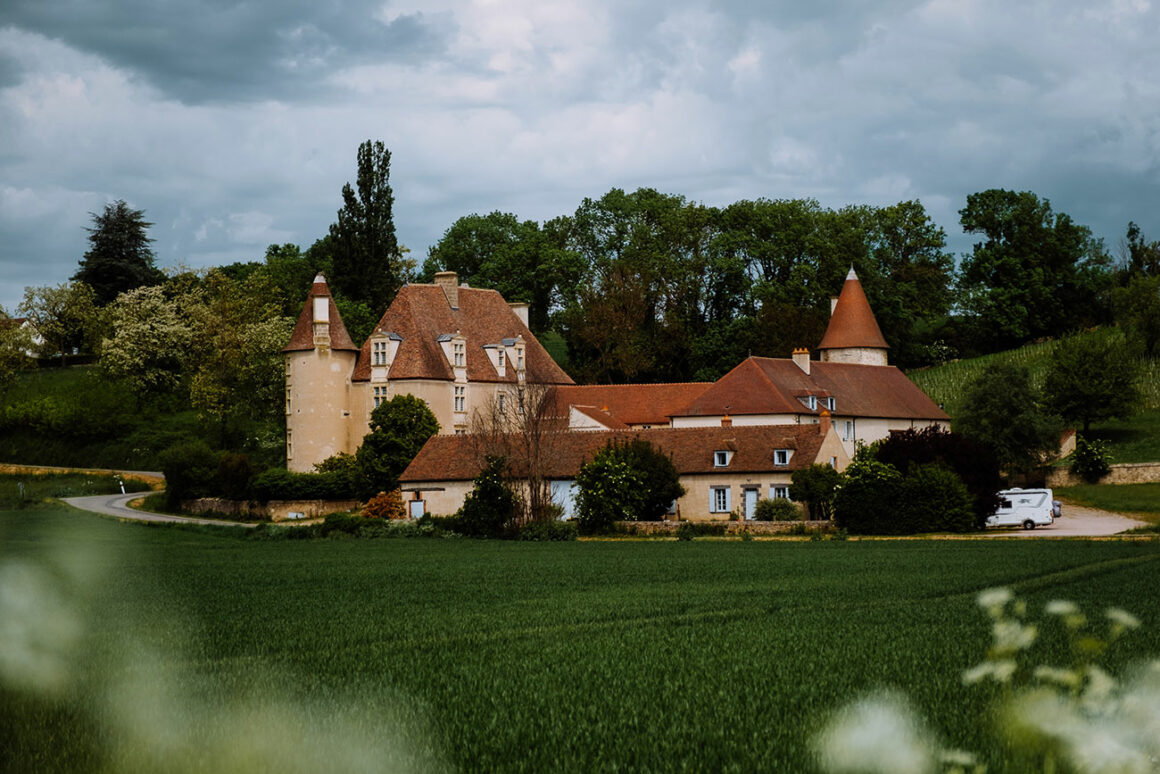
x: 1029, y: 524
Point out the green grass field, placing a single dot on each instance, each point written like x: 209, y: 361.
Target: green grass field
x: 1142, y: 500
x: 140, y: 649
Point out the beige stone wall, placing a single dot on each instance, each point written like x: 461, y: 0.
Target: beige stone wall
x: 757, y: 528
x: 740, y: 419
x: 868, y: 430
x: 860, y: 355
x: 695, y: 504
x: 1124, y: 473
x: 275, y: 510
x: 438, y: 395
x: 441, y: 499
x: 319, y: 418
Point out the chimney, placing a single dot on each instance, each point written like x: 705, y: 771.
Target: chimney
x: 521, y: 310
x: 449, y: 281
x: 801, y: 356
x: 726, y: 421
x: 824, y: 422
x: 833, y: 304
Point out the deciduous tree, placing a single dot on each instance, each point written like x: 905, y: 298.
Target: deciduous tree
x: 65, y: 316
x: 1091, y: 379
x: 1001, y: 410
x: 399, y: 428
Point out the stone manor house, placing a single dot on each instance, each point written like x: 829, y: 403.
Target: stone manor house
x: 465, y: 350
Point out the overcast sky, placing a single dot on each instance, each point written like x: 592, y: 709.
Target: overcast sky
x: 235, y: 125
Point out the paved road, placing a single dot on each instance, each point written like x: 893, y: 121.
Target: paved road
x: 118, y: 505
x: 1076, y: 521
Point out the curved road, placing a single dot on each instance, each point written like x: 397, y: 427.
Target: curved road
x: 118, y: 505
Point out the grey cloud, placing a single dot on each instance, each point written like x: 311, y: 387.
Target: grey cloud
x: 223, y: 51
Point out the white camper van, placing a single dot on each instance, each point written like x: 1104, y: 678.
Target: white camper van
x: 1027, y: 508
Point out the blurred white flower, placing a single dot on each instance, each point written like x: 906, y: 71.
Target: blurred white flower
x: 1061, y: 607
x: 1122, y: 619
x: 38, y: 628
x: 1012, y: 635
x: 1068, y: 678
x: 993, y: 600
x: 1001, y: 671
x: 877, y: 733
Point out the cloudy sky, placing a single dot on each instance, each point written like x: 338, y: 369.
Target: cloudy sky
x: 235, y: 124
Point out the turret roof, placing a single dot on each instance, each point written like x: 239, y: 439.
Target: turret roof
x: 852, y: 325
x: 302, y: 338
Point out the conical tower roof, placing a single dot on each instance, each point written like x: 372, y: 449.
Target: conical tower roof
x: 303, y: 336
x: 852, y: 325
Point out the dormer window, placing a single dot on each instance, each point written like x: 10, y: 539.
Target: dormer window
x: 459, y: 351
x: 502, y: 358
x: 379, y: 353
x: 721, y: 458
x: 519, y: 360
x: 831, y: 403
x: 809, y: 401
x: 781, y: 456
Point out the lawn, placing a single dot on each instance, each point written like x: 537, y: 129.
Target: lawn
x: 145, y: 648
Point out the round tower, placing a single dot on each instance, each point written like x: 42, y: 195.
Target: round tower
x: 319, y: 361
x: 853, y: 335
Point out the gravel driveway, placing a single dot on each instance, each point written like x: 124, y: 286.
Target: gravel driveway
x: 1076, y: 521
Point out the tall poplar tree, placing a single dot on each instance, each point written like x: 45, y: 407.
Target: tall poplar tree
x: 119, y: 257
x: 367, y: 264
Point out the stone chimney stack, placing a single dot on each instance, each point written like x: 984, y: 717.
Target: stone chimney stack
x: 449, y: 281
x: 521, y: 310
x: 801, y: 356
x: 726, y: 421
x: 824, y: 422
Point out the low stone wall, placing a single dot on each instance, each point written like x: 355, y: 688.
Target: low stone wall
x: 1123, y: 473
x: 731, y: 527
x: 275, y: 510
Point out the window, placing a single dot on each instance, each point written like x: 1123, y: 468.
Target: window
x: 460, y: 399
x: 721, y: 458
x: 719, y: 499
x: 380, y: 395
x: 501, y: 358
x: 287, y: 400
x: 502, y: 401
x: 379, y: 353
x: 831, y: 403
x: 520, y: 394
x: 849, y: 434
x: 519, y: 360
x: 289, y: 446
x: 779, y: 491
x: 834, y: 462
x: 781, y: 457
x: 461, y: 431
x: 460, y: 354
x: 809, y: 401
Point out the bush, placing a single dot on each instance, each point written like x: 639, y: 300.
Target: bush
x: 867, y: 501
x: 549, y: 530
x: 491, y: 506
x: 934, y: 499
x: 190, y: 471
x: 1091, y: 460
x: 386, y: 505
x: 686, y: 531
x: 346, y: 465
x: 777, y: 509
x: 630, y: 481
x: 876, y: 499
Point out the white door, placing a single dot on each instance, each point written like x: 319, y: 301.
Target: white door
x: 750, y: 503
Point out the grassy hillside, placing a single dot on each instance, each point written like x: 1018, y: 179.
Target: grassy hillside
x: 76, y: 417
x: 945, y: 383
x: 194, y: 651
x: 1136, y: 439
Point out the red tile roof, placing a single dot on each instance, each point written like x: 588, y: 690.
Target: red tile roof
x: 420, y: 314
x: 762, y: 385
x: 303, y: 336
x: 852, y: 324
x: 604, y: 417
x: 632, y: 404
x: 458, y: 457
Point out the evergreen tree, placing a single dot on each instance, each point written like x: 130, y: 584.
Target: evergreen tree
x: 119, y: 257
x: 367, y: 262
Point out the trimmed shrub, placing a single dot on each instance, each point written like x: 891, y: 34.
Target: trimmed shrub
x: 1091, y: 460
x: 549, y: 531
x: 934, y: 499
x: 867, y: 501
x: 386, y: 505
x: 281, y: 484
x: 631, y: 481
x: 777, y: 509
x: 686, y: 531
